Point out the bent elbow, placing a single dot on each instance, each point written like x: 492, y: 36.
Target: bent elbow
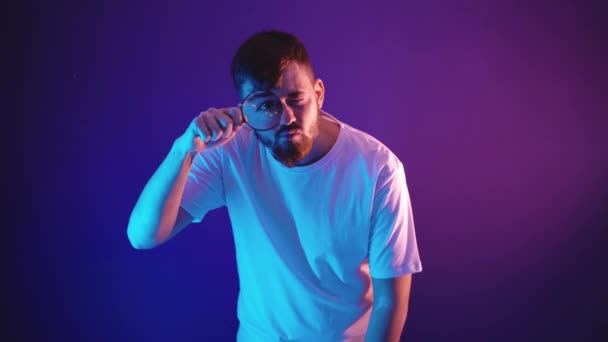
x: 138, y: 239
x: 140, y: 244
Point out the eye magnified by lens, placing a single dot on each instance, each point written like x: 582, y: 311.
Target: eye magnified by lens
x: 262, y: 110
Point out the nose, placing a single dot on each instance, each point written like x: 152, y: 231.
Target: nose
x: 287, y: 116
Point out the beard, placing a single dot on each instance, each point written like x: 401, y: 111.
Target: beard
x: 290, y: 151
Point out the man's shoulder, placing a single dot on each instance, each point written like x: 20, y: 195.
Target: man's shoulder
x: 367, y: 146
x: 380, y: 161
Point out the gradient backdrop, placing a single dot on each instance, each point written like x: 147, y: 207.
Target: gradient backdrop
x: 496, y: 108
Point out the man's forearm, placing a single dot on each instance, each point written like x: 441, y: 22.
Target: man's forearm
x: 154, y: 214
x: 386, y: 323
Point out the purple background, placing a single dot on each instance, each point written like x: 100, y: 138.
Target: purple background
x: 497, y: 110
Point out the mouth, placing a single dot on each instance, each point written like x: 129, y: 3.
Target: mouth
x: 289, y: 133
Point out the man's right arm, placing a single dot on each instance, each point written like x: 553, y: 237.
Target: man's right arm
x: 154, y: 218
x: 157, y: 215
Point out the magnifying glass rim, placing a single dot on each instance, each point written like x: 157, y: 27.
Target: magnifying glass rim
x: 240, y: 105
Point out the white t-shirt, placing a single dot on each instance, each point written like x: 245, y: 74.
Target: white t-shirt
x: 308, y: 238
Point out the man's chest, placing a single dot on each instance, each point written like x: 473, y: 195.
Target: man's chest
x: 324, y: 218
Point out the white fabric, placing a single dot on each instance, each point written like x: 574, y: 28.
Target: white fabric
x: 307, y: 238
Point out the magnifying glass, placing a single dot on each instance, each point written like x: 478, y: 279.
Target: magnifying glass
x: 262, y: 110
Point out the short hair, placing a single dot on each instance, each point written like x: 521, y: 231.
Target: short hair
x: 264, y: 56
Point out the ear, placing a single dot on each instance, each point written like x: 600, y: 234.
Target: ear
x: 319, y: 92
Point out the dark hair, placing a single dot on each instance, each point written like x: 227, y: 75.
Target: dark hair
x: 264, y: 56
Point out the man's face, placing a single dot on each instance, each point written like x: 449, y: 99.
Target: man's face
x: 292, y: 140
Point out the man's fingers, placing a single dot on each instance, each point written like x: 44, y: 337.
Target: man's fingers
x: 201, y: 128
x: 214, y: 127
x: 226, y: 122
x: 236, y: 116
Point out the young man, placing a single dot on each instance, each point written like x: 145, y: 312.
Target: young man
x: 320, y: 211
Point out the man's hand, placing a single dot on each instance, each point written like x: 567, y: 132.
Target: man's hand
x: 212, y: 128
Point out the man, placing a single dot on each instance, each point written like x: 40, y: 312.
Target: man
x: 320, y: 211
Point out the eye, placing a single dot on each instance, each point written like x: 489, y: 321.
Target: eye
x: 297, y: 100
x: 268, y: 106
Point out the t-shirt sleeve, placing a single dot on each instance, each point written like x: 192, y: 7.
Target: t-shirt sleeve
x: 204, y: 189
x: 393, y: 250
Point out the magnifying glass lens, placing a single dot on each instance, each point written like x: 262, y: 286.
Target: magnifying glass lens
x: 262, y: 109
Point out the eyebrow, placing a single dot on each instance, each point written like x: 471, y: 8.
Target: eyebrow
x: 267, y: 93
x: 262, y: 96
x: 295, y: 93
